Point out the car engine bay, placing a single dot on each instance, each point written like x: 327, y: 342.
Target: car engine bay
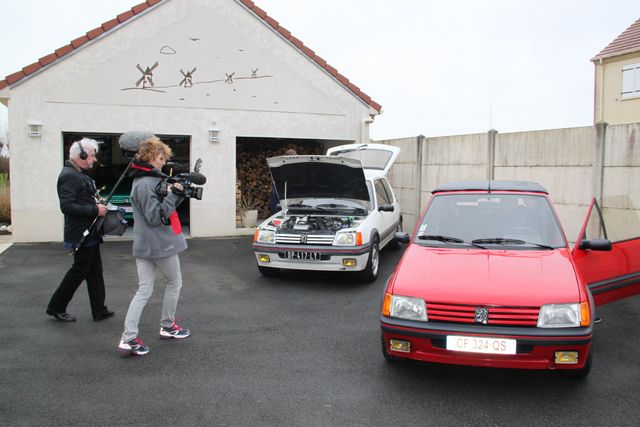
x: 314, y: 223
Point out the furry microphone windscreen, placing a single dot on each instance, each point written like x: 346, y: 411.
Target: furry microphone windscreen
x: 130, y: 141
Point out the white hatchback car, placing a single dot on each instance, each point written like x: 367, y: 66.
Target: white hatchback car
x: 338, y: 211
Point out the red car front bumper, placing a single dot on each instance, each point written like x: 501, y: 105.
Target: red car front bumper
x: 535, y: 349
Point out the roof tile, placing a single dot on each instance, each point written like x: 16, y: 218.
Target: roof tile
x: 3, y: 84
x: 296, y: 42
x: 286, y: 33
x: 269, y: 20
x: 110, y: 24
x: 354, y: 88
x: 12, y: 78
x: 140, y: 8
x: 261, y: 13
x: 366, y: 98
x: 153, y: 2
x: 124, y: 16
x: 308, y: 51
x: 32, y: 68
x: 63, y: 50
x: 46, y: 60
x: 627, y: 42
x: 94, y: 33
x: 320, y: 61
x: 79, y: 42
x: 331, y: 70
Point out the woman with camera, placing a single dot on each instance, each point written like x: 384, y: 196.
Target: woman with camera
x: 158, y: 240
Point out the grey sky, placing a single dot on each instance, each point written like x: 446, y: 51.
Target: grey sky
x: 436, y: 67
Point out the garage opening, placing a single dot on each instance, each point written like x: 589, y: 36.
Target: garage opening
x: 253, y: 179
x: 112, y: 162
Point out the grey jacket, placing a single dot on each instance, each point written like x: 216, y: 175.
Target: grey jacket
x: 151, y: 238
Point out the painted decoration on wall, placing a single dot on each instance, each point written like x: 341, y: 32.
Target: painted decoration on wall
x: 147, y: 75
x: 167, y: 50
x: 146, y: 82
x: 188, y: 78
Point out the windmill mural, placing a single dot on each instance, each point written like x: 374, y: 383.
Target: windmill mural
x: 187, y: 81
x: 147, y: 76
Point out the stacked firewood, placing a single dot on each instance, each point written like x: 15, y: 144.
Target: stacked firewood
x: 253, y: 176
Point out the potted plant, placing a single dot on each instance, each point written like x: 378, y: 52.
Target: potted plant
x: 249, y: 210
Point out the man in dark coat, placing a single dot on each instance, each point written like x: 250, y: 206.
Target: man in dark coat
x: 78, y: 203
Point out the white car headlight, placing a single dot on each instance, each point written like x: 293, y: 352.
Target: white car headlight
x: 559, y: 316
x: 345, y: 238
x: 408, y: 308
x: 266, y: 236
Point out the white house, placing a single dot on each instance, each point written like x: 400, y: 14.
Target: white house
x: 202, y: 73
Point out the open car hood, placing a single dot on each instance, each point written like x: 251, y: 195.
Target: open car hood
x: 318, y: 177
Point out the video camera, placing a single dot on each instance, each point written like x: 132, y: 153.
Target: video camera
x: 191, y: 183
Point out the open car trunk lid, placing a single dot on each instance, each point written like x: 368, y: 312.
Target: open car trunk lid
x: 375, y: 158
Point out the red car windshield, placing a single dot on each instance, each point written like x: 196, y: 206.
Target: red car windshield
x: 518, y: 221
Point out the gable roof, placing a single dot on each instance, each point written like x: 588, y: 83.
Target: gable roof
x: 149, y: 4
x: 627, y: 42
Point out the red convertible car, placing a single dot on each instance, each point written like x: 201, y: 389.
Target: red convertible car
x: 488, y: 279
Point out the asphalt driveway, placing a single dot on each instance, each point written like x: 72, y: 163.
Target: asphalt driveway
x: 301, y: 349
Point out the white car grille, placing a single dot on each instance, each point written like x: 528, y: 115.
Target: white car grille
x: 304, y: 239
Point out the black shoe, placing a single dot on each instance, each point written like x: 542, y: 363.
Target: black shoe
x: 104, y: 315
x: 63, y: 317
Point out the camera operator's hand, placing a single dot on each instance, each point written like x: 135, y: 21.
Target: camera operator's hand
x: 176, y: 188
x: 102, y: 209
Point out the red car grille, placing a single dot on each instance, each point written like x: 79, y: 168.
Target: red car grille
x: 497, y: 315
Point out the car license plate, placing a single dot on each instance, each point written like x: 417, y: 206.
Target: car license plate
x: 302, y: 255
x: 481, y: 344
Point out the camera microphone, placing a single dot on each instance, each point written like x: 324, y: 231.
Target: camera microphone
x: 197, y: 178
x: 130, y: 141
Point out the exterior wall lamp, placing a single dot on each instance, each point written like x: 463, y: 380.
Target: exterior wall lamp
x: 34, y: 130
x: 214, y: 135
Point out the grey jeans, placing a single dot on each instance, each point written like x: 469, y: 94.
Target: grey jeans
x: 170, y: 268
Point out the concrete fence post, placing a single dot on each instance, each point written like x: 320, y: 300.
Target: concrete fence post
x: 491, y: 153
x: 420, y: 145
x: 598, y: 164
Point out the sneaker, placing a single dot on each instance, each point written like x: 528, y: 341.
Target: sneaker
x: 135, y: 346
x: 174, y: 331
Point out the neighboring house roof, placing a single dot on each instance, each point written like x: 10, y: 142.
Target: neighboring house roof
x: 627, y: 42
x: 143, y: 7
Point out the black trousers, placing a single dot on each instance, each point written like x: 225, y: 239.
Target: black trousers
x: 87, y: 265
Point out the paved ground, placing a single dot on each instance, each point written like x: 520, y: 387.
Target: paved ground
x: 302, y: 350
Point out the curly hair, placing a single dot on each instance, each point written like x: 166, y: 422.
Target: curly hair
x: 151, y: 148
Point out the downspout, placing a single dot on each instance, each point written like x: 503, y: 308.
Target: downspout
x: 364, y: 130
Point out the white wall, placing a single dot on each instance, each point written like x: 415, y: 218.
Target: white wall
x: 94, y: 90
